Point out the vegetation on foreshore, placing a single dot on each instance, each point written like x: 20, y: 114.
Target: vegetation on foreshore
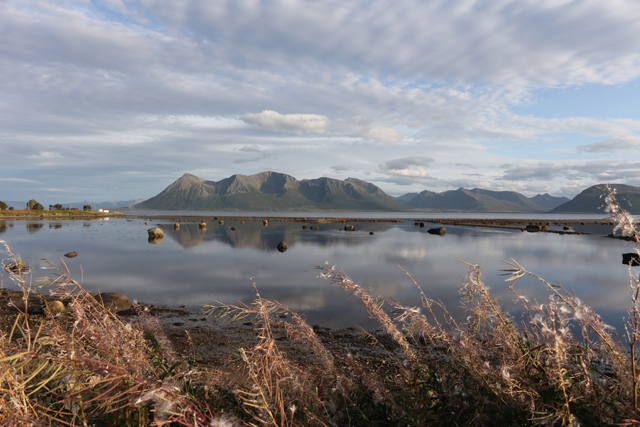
x: 558, y: 365
x: 26, y: 213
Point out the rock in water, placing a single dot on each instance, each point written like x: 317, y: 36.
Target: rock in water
x: 71, y: 254
x: 421, y: 225
x: 203, y: 225
x: 282, y: 246
x: 440, y: 231
x: 632, y: 259
x: 349, y: 227
x: 221, y: 222
x: 16, y: 267
x: 265, y: 222
x: 155, y: 232
x: 176, y: 226
x: 155, y: 240
x: 233, y: 229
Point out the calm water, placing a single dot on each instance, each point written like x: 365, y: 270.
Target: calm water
x: 191, y: 266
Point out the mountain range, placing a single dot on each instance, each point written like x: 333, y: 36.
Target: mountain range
x: 479, y: 200
x: 271, y: 191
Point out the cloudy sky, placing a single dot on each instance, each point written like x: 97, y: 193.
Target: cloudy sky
x: 116, y: 99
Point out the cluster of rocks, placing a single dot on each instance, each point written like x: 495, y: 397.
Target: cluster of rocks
x: 14, y: 302
x: 439, y: 231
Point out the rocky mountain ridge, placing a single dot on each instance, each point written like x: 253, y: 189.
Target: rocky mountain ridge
x: 273, y: 191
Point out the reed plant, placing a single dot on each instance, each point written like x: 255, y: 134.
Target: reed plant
x: 558, y: 364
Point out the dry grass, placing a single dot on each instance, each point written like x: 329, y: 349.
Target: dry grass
x: 558, y: 365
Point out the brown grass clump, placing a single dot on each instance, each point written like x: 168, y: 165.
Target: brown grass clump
x: 89, y: 366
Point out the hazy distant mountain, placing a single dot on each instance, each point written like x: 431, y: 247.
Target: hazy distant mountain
x: 16, y: 205
x: 113, y: 204
x: 590, y: 200
x: 271, y: 191
x: 547, y: 201
x: 405, y: 198
x: 476, y: 200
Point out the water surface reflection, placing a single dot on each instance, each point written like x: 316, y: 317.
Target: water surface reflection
x: 192, y: 266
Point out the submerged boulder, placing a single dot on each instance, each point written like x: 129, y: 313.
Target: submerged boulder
x: 349, y: 227
x: 155, y: 232
x: 16, y: 267
x: 439, y: 231
x: 282, y: 246
x: 203, y: 225
x: 71, y: 254
x: 632, y: 259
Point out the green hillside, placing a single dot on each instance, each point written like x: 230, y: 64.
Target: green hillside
x: 591, y: 199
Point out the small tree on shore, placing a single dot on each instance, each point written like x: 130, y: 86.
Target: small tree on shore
x: 3, y: 205
x: 31, y: 203
x: 86, y: 208
x: 38, y: 207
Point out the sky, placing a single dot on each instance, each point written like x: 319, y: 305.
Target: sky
x: 115, y: 99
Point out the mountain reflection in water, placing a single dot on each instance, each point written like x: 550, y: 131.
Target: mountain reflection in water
x: 255, y: 235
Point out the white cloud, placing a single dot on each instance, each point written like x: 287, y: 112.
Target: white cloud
x: 19, y: 181
x: 407, y: 167
x: 591, y: 172
x: 288, y: 122
x: 45, y: 155
x: 383, y: 134
x: 620, y: 144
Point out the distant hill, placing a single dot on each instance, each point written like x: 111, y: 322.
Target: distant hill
x: 476, y: 200
x: 590, y: 200
x: 547, y: 201
x: 113, y: 204
x: 271, y: 191
x: 405, y: 198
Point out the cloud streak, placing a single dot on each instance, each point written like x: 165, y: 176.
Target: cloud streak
x: 288, y: 122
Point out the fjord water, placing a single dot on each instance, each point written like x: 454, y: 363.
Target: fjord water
x: 192, y: 266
